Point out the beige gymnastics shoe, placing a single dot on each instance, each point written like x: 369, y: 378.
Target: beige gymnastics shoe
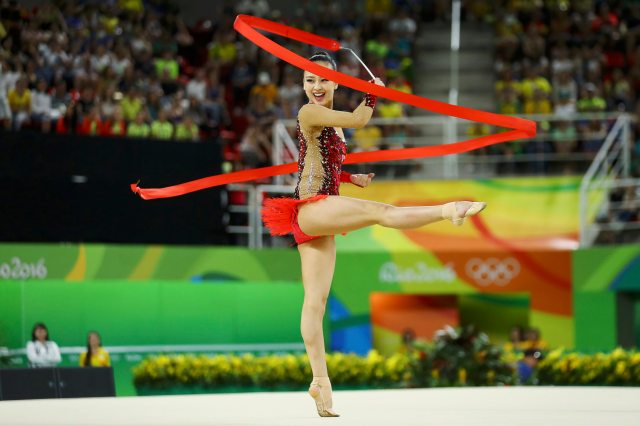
x: 458, y: 210
x: 320, y: 391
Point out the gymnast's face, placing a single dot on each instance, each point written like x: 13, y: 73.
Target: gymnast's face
x: 319, y: 90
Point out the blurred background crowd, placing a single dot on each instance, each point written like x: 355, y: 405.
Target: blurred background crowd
x: 134, y: 68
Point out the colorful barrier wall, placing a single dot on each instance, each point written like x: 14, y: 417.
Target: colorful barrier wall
x: 134, y: 318
x: 522, y: 213
x: 599, y: 276
x: 515, y: 261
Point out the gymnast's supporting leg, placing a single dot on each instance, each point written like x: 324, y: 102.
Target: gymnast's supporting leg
x: 318, y: 258
x: 337, y: 214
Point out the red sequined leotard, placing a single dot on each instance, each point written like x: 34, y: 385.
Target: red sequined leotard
x: 319, y: 176
x: 320, y: 163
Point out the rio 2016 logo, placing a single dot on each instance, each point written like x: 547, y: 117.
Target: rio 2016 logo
x: 493, y: 270
x: 18, y: 269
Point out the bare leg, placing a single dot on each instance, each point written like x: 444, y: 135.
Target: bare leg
x: 318, y: 258
x: 337, y: 214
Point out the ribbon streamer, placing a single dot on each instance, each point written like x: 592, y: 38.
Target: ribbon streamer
x: 248, y: 26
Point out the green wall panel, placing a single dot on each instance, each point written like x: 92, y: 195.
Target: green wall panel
x: 595, y: 321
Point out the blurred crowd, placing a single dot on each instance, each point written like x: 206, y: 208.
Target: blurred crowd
x: 134, y: 68
x: 566, y: 57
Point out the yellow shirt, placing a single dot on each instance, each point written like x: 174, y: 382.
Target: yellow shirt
x: 367, y: 138
x: 390, y: 110
x: 19, y: 103
x: 99, y: 359
x: 529, y: 86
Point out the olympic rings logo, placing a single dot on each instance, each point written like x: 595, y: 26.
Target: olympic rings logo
x: 493, y: 270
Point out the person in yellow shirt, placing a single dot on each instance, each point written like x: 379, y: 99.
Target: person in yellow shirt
x: 162, y: 128
x: 139, y: 128
x: 131, y: 104
x: 187, y: 130
x: 539, y: 104
x: 20, y: 103
x: 532, y: 83
x: 96, y: 355
x: 367, y: 138
x: 265, y: 88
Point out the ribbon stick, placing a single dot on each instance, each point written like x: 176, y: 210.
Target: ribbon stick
x: 249, y: 27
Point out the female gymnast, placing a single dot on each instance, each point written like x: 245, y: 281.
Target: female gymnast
x: 317, y: 212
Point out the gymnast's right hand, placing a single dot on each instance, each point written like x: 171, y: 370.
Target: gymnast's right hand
x: 377, y: 81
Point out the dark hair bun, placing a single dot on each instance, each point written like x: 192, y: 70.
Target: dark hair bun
x: 322, y: 56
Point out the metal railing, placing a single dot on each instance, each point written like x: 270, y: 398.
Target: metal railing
x: 609, y: 170
x: 535, y: 156
x: 604, y: 169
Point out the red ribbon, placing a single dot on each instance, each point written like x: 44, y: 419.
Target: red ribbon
x: 249, y: 26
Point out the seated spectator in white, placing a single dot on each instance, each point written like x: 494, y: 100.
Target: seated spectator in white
x: 41, y: 106
x: 121, y: 61
x: 60, y: 100
x: 564, y: 86
x: 100, y: 60
x: 5, y: 110
x: 564, y: 106
x: 41, y: 351
x: 197, y: 87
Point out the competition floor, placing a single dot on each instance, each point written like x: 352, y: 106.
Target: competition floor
x: 453, y: 406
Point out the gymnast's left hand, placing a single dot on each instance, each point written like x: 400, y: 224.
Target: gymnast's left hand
x: 362, y: 180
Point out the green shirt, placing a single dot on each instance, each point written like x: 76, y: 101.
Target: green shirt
x: 185, y: 133
x: 138, y: 130
x: 130, y: 108
x: 171, y: 65
x: 161, y: 130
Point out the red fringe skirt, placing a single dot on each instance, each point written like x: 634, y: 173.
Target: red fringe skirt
x: 280, y: 216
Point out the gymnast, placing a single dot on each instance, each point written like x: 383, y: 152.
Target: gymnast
x: 317, y: 211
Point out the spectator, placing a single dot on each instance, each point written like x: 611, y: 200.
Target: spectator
x: 618, y: 91
x: 60, y: 100
x: 139, y: 128
x: 187, y: 130
x: 590, y: 101
x: 41, y: 107
x: 255, y: 147
x: 115, y: 126
x: 532, y: 83
x: 533, y: 341
x: 20, y: 103
x: 538, y: 104
x: 367, y: 138
x: 68, y: 123
x: 96, y: 355
x: 42, y: 352
x: 291, y: 96
x: 565, y: 88
x: 565, y: 137
x: 5, y: 110
x: 131, y: 104
x: 91, y: 124
x: 389, y: 109
x: 527, y: 366
x: 265, y: 88
x: 197, y: 87
x: 242, y: 77
x: 162, y: 127
x: 167, y: 67
x: 515, y: 339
